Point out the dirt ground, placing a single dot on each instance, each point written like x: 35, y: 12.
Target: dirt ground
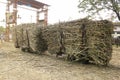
x: 17, y: 65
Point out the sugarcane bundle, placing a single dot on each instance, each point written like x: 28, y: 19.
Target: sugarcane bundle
x: 60, y: 38
x: 82, y: 40
x: 95, y: 42
x: 51, y: 38
x: 24, y: 37
x: 17, y: 36
x: 72, y: 38
x: 99, y: 41
x: 40, y: 42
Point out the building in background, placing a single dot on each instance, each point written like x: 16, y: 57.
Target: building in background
x: 116, y: 30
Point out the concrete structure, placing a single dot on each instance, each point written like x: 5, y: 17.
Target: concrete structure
x: 11, y: 17
x: 116, y: 30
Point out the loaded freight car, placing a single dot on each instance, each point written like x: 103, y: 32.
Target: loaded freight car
x: 81, y: 40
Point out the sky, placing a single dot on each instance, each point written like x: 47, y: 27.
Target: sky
x: 59, y: 10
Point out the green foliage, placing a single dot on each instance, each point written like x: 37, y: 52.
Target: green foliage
x: 93, y: 7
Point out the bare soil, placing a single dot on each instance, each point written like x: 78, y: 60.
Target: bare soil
x: 18, y: 65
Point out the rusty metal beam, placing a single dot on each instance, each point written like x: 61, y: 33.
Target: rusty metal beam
x: 7, y: 25
x: 31, y: 3
x: 15, y: 11
x: 46, y: 17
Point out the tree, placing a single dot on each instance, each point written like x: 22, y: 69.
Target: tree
x: 93, y: 7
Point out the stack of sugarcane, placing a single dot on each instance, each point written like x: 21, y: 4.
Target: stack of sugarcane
x: 59, y: 38
x: 24, y: 37
x: 82, y: 40
x: 99, y: 41
x: 91, y: 41
x: 49, y: 38
x: 52, y: 35
x: 72, y: 37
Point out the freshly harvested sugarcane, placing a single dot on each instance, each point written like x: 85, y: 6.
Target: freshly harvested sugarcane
x: 81, y: 40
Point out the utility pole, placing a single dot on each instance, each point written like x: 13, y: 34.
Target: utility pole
x: 7, y: 25
x: 11, y: 17
x: 15, y: 12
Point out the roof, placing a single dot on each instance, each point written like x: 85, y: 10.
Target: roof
x: 31, y: 3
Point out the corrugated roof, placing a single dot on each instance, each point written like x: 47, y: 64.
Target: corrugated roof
x: 31, y: 3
